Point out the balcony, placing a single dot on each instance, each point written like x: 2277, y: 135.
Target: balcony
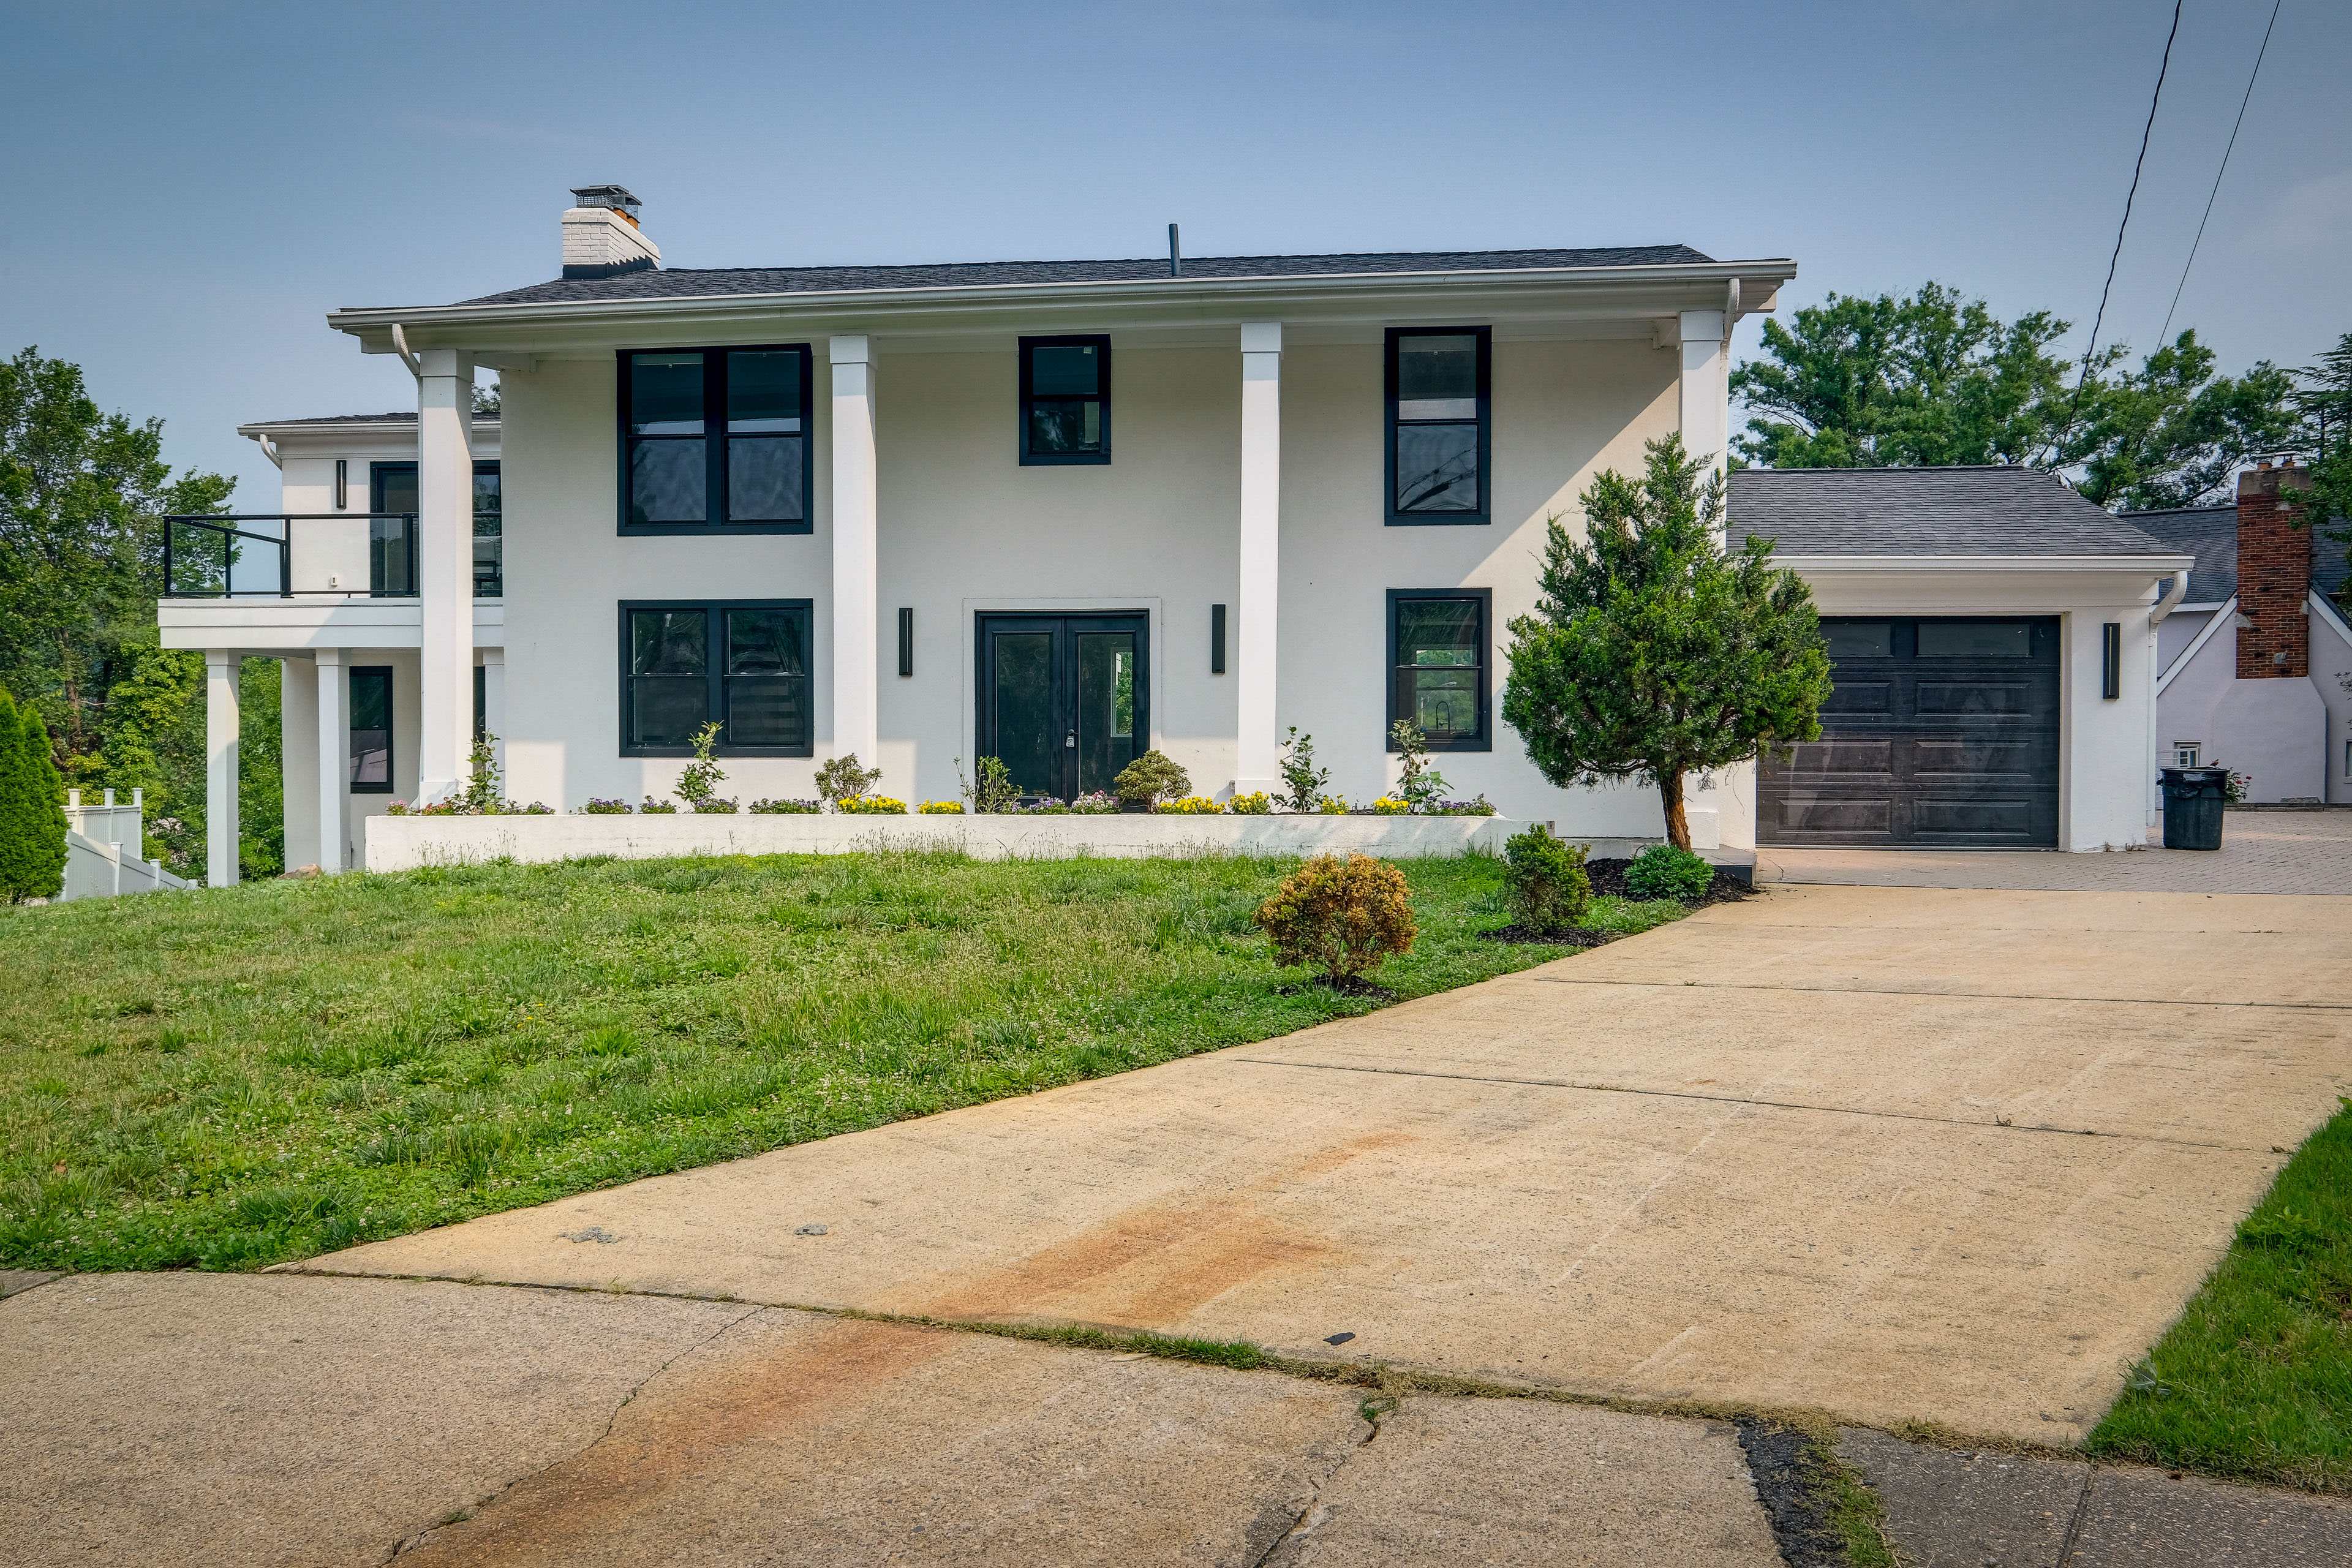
x: 285, y: 556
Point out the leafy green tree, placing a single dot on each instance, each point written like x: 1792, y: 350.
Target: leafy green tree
x: 260, y: 769
x: 82, y: 496
x: 2324, y: 398
x: 39, y: 805
x: 1887, y: 382
x: 2174, y: 434
x: 1654, y: 652
x: 152, y: 738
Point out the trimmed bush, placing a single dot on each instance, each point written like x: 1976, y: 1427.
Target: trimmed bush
x: 1545, y: 880
x: 1150, y: 779
x: 844, y: 779
x: 1663, y: 871
x: 1342, y: 917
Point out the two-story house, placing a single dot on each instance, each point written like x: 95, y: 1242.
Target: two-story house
x: 1052, y: 513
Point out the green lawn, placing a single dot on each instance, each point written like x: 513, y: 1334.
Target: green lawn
x: 227, y: 1080
x: 2255, y: 1380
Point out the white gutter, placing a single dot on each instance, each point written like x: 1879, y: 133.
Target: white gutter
x: 2172, y: 601
x: 269, y: 451
x: 400, y: 347
x: 1885, y: 565
x: 1709, y: 275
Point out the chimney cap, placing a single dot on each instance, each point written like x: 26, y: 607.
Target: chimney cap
x: 616, y: 197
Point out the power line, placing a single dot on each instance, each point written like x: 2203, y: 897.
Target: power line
x: 2162, y: 69
x: 2165, y: 334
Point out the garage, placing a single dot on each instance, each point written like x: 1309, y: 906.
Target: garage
x: 1940, y: 732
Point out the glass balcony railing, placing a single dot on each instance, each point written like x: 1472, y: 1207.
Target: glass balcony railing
x: 281, y: 554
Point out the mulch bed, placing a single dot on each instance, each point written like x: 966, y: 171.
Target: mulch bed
x: 1564, y: 936
x: 1345, y: 984
x: 1608, y: 877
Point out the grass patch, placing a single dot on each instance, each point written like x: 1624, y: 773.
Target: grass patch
x: 2254, y: 1381
x: 232, y: 1079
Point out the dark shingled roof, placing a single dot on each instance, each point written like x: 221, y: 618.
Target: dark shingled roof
x: 2211, y: 535
x: 1998, y: 511
x: 683, y: 283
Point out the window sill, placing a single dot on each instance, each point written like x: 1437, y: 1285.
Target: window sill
x: 1435, y: 746
x: 752, y: 753
x: 1066, y: 461
x: 1453, y: 519
x: 673, y: 530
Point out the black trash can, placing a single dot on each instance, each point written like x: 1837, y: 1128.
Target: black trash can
x: 2193, y: 799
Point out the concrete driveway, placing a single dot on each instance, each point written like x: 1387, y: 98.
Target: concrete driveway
x: 1901, y: 1154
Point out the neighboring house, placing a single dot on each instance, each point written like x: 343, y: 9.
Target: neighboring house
x: 1055, y: 512
x: 2255, y: 660
x: 1992, y: 635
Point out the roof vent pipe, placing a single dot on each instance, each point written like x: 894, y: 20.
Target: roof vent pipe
x: 1175, y: 253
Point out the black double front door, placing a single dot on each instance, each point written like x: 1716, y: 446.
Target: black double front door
x: 1940, y: 730
x: 1064, y: 700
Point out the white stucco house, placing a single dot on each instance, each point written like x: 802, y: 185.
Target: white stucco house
x: 2255, y: 660
x: 1056, y: 512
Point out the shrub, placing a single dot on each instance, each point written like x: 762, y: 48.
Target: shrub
x: 1097, y: 804
x: 1258, y: 802
x: 776, y: 807
x: 1302, y: 780
x: 1545, y: 880
x: 1150, y: 779
x: 942, y: 808
x: 657, y: 807
x: 1194, y: 805
x: 699, y: 778
x: 1421, y: 783
x: 1345, y: 917
x: 480, y: 795
x: 871, y: 806
x: 992, y: 792
x: 1332, y: 806
x: 842, y: 779
x: 1392, y: 805
x: 32, y: 809
x: 1664, y: 871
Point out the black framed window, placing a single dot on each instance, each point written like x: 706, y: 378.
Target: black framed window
x: 743, y: 662
x: 489, y: 546
x: 716, y: 440
x: 1439, y: 674
x: 1065, y: 400
x: 1438, y: 416
x: 371, y: 729
x: 392, y: 542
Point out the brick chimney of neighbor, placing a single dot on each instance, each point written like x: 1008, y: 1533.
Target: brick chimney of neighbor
x: 600, y: 237
x: 2273, y: 575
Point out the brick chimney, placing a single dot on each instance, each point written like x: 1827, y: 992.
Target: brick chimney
x: 2273, y: 575
x: 600, y: 237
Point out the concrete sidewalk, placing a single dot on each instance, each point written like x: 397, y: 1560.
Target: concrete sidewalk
x: 1952, y: 1156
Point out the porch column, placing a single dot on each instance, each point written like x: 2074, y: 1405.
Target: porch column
x: 1706, y: 388
x: 1255, y: 647
x: 857, y: 720
x: 444, y: 505
x: 335, y: 758
x: 220, y: 766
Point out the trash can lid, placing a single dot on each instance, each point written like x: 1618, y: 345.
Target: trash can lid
x: 2194, y: 775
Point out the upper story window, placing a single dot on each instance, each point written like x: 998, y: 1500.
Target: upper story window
x: 715, y: 440
x: 1065, y: 400
x: 1437, y: 423
x: 490, y: 545
x: 743, y: 662
x: 1438, y: 675
x: 392, y: 541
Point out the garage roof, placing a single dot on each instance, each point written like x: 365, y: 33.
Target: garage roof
x: 1994, y: 510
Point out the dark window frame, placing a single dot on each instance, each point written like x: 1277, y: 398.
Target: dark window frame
x: 1029, y: 459
x: 1485, y: 513
x: 714, y: 449
x: 377, y: 471
x: 715, y: 673
x: 1484, y: 599
x: 352, y: 675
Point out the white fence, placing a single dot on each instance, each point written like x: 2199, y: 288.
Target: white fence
x: 102, y: 850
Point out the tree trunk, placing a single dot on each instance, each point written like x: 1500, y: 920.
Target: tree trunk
x: 1670, y: 795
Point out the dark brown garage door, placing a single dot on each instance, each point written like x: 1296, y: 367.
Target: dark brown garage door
x: 1940, y: 732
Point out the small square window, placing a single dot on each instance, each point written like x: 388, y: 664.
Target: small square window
x: 1064, y: 400
x: 1438, y: 667
x: 2185, y: 754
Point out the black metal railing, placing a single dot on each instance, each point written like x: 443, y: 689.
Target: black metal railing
x: 251, y: 555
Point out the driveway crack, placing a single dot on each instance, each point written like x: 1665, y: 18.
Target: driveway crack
x: 410, y: 1543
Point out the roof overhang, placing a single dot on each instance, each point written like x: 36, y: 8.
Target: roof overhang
x: 1911, y: 565
x: 1627, y: 294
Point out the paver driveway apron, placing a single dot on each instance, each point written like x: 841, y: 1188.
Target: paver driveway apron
x: 1899, y: 1153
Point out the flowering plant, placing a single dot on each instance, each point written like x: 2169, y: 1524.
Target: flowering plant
x: 872, y: 805
x: 1392, y: 805
x: 658, y: 807
x: 942, y: 808
x: 1193, y: 806
x: 595, y: 807
x: 1256, y: 804
x: 1099, y: 802
x: 797, y: 808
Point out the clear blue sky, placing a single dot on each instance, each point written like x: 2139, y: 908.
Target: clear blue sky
x: 190, y: 187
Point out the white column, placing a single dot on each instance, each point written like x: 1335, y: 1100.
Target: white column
x: 1706, y: 386
x: 1255, y: 647
x: 857, y: 720
x: 445, y: 503
x: 334, y: 760
x: 220, y: 766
